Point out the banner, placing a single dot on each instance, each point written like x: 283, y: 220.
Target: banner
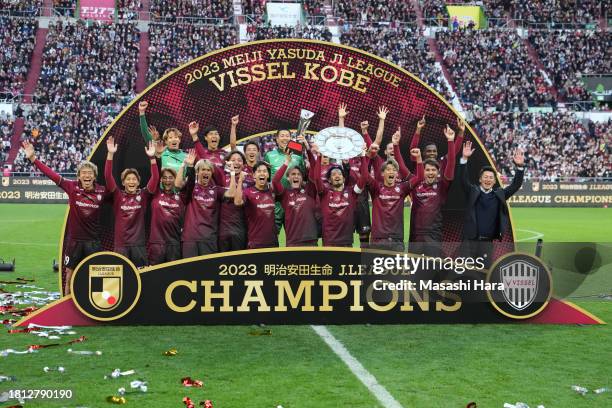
x: 462, y: 16
x: 536, y: 193
x: 284, y: 14
x: 102, y: 10
x: 599, y: 85
x: 31, y: 190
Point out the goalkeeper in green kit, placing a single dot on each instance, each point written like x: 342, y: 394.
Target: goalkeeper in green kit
x: 168, y: 151
x: 276, y: 158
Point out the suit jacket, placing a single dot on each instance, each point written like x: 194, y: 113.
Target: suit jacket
x: 472, y: 192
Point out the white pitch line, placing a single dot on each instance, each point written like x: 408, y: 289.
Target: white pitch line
x: 26, y: 243
x: 536, y: 235
x: 380, y: 392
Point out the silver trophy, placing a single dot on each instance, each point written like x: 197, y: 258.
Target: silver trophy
x: 305, y: 119
x: 339, y: 143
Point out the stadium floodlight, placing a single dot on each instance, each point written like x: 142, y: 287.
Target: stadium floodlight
x: 7, y: 266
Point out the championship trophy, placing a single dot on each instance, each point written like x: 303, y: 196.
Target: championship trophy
x: 339, y: 143
x: 305, y: 119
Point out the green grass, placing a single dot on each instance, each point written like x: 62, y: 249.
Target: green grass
x: 420, y: 365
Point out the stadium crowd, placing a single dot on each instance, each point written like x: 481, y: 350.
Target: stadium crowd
x: 194, y: 9
x: 6, y: 132
x: 492, y: 69
x: 264, y: 32
x: 21, y: 8
x: 557, y: 144
x: 374, y: 11
x: 128, y: 9
x: 567, y: 55
x: 404, y: 46
x: 174, y: 44
x: 17, y: 42
x: 88, y: 75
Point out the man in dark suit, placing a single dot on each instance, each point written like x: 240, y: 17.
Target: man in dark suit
x: 486, y: 214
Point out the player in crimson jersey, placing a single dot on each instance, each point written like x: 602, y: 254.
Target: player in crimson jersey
x: 388, y: 204
x: 167, y: 209
x: 259, y: 205
x: 428, y: 197
x: 338, y: 202
x: 431, y: 150
x: 130, y: 205
x: 201, y: 229
x: 211, y: 152
x: 85, y: 198
x: 232, y: 223
x: 299, y: 201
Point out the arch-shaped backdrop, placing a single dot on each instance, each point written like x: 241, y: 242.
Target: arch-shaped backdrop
x: 267, y: 83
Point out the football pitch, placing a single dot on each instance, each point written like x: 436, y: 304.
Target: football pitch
x: 333, y: 366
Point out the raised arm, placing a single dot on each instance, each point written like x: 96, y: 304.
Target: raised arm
x: 188, y: 162
x: 382, y: 116
x: 193, y: 132
x: 420, y: 169
x: 233, y: 128
x: 517, y: 180
x: 238, y: 196
x: 231, y: 192
x: 111, y: 147
x: 278, y: 176
x: 364, y: 132
x: 317, y: 172
x: 153, y: 184
x: 30, y: 154
x: 144, y: 128
x: 342, y: 112
x: 395, y: 139
x: 467, y: 152
x: 416, y: 139
x: 363, y: 173
x: 218, y: 176
x: 449, y: 170
x: 460, y: 136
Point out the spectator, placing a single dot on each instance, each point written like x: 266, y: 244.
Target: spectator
x: 128, y: 9
x: 65, y: 8
x: 172, y: 45
x: 403, y: 46
x: 195, y: 10
x: 492, y: 69
x: 6, y: 132
x: 17, y: 41
x: 375, y: 11
x: 567, y: 55
x: 21, y: 8
x: 259, y: 32
x: 557, y: 144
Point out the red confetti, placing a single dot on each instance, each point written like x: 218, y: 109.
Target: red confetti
x: 79, y: 340
x: 13, y: 331
x: 207, y: 404
x: 9, y: 321
x: 189, y: 382
x: 471, y: 405
x: 188, y: 402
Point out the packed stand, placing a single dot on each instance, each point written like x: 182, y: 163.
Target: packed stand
x: 21, y: 8
x: 374, y: 11
x: 128, y: 9
x: 559, y: 13
x: 402, y: 46
x: 492, y: 69
x: 254, y: 7
x: 87, y: 77
x: 567, y: 55
x: 6, y: 131
x: 17, y: 36
x: 314, y: 7
x: 65, y: 8
x: 172, y: 45
x: 194, y: 10
x: 557, y: 144
x: 261, y: 32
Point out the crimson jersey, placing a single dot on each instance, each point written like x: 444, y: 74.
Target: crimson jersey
x: 300, y: 205
x: 129, y: 210
x: 167, y: 210
x: 388, y: 209
x: 202, y: 215
x: 338, y: 211
x: 217, y: 157
x: 426, y: 214
x: 259, y: 210
x: 232, y: 216
x: 84, y: 215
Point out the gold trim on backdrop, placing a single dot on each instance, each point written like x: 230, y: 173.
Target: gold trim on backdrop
x: 284, y: 40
